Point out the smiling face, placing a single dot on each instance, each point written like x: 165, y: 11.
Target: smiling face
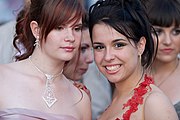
x: 63, y: 42
x: 115, y: 56
x: 169, y: 43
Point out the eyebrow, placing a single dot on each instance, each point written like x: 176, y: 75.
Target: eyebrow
x: 115, y: 40
x: 119, y: 39
x: 77, y: 25
x: 85, y: 45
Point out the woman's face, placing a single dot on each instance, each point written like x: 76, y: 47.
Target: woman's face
x: 169, y: 43
x: 63, y: 42
x: 115, y: 56
x: 85, y: 55
x: 80, y: 63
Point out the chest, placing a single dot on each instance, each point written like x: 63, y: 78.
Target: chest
x: 171, y: 89
x: 27, y: 93
x: 115, y: 112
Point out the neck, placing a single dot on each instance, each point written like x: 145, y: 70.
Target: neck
x: 127, y: 86
x: 161, y: 68
x: 46, y: 64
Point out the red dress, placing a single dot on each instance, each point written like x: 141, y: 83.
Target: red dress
x: 137, y: 98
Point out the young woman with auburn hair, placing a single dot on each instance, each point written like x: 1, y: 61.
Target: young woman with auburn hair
x: 50, y: 33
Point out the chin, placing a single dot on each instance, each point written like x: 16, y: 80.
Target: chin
x: 79, y: 77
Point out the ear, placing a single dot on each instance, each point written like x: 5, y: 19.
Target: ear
x: 34, y: 28
x: 141, y: 45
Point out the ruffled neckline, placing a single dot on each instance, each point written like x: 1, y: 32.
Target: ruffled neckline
x: 137, y: 98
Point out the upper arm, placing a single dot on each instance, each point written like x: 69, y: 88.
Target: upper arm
x: 159, y: 107
x: 86, y: 106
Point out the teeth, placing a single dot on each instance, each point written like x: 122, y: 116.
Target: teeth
x: 112, y: 68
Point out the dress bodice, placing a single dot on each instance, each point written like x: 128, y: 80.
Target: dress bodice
x: 137, y: 98
x: 26, y: 114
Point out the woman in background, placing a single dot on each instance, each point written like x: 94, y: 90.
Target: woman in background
x: 80, y: 62
x: 82, y: 59
x: 165, y: 18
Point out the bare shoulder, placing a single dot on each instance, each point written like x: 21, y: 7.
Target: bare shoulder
x: 158, y: 106
x: 5, y: 70
x: 11, y: 71
x: 84, y: 102
x: 85, y: 105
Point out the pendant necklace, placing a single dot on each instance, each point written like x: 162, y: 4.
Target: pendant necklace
x: 48, y: 95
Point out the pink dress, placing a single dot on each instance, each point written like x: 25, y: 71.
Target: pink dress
x: 26, y: 114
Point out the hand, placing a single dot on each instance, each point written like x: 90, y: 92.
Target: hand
x: 83, y: 87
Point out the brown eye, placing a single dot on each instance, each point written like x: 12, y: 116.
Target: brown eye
x: 59, y: 28
x: 176, y: 32
x: 158, y: 31
x: 118, y: 45
x: 98, y: 47
x: 77, y: 29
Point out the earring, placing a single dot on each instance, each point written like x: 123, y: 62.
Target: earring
x: 139, y: 58
x: 37, y: 42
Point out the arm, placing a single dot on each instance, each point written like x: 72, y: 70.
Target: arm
x: 83, y: 87
x: 159, y: 107
x: 86, y: 107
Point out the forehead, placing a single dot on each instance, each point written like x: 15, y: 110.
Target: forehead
x: 74, y: 22
x: 105, y: 33
x: 86, y: 35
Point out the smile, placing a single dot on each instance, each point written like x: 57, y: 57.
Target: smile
x: 113, y: 68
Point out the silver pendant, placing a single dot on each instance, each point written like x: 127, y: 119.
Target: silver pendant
x: 48, y: 95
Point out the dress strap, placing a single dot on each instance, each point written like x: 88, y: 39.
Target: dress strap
x: 138, y: 97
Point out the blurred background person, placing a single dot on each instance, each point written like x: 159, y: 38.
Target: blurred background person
x: 165, y: 18
x: 83, y: 57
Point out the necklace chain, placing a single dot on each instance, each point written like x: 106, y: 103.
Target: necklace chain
x: 169, y: 73
x: 48, y: 95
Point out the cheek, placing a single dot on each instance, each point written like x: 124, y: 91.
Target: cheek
x: 81, y: 60
x: 177, y: 42
x: 53, y: 40
x: 77, y: 38
x: 98, y: 56
x: 131, y: 59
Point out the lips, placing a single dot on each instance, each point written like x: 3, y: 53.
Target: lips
x: 112, y: 69
x: 68, y: 48
x: 167, y: 50
x: 83, y: 70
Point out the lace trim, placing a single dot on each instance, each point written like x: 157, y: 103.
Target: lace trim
x: 137, y: 98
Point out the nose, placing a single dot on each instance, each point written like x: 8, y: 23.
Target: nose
x: 167, y: 39
x: 89, y: 58
x: 69, y: 36
x: 109, y: 55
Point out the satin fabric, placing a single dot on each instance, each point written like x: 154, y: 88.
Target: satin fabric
x: 26, y: 114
